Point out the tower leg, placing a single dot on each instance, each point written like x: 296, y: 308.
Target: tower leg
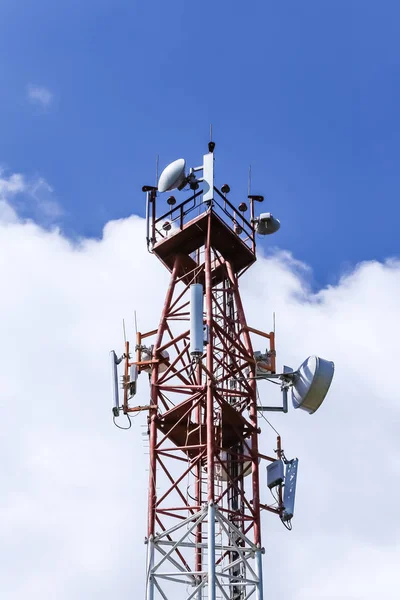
x: 149, y: 567
x: 259, y: 589
x: 211, y: 551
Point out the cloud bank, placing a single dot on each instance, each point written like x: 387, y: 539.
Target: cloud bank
x: 73, y: 487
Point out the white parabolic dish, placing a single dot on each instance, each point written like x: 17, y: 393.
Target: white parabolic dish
x: 311, y: 383
x: 172, y: 176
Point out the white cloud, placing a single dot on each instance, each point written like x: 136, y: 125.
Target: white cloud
x: 73, y: 487
x: 23, y: 198
x: 9, y: 187
x: 40, y: 95
x: 46, y: 205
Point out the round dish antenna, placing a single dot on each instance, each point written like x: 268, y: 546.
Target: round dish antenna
x: 266, y: 224
x: 311, y: 383
x: 173, y: 176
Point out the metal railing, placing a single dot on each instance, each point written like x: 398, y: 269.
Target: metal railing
x: 158, y: 228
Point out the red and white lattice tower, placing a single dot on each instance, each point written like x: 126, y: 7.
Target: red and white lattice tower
x: 203, y: 530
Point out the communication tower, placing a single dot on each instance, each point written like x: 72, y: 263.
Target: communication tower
x: 206, y: 471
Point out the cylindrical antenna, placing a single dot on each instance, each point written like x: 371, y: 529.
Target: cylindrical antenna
x: 285, y: 398
x: 123, y: 327
x: 196, y: 320
x: 134, y: 313
x: 273, y: 322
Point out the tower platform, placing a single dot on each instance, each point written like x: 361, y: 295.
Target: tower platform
x: 187, y: 435
x: 192, y: 236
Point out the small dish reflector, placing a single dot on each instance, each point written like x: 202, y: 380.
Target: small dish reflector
x: 162, y: 366
x: 173, y: 176
x: 267, y: 224
x: 311, y: 383
x: 244, y: 467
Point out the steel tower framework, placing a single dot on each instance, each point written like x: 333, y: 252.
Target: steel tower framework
x: 203, y: 531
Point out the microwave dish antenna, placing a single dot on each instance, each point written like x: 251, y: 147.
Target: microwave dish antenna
x: 173, y: 176
x: 311, y: 383
x: 266, y: 224
x: 308, y: 385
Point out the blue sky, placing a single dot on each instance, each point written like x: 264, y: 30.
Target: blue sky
x: 307, y: 92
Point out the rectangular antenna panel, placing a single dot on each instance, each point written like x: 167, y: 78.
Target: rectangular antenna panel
x: 114, y: 374
x: 290, y: 489
x: 208, y: 177
x: 133, y: 375
x: 275, y: 474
